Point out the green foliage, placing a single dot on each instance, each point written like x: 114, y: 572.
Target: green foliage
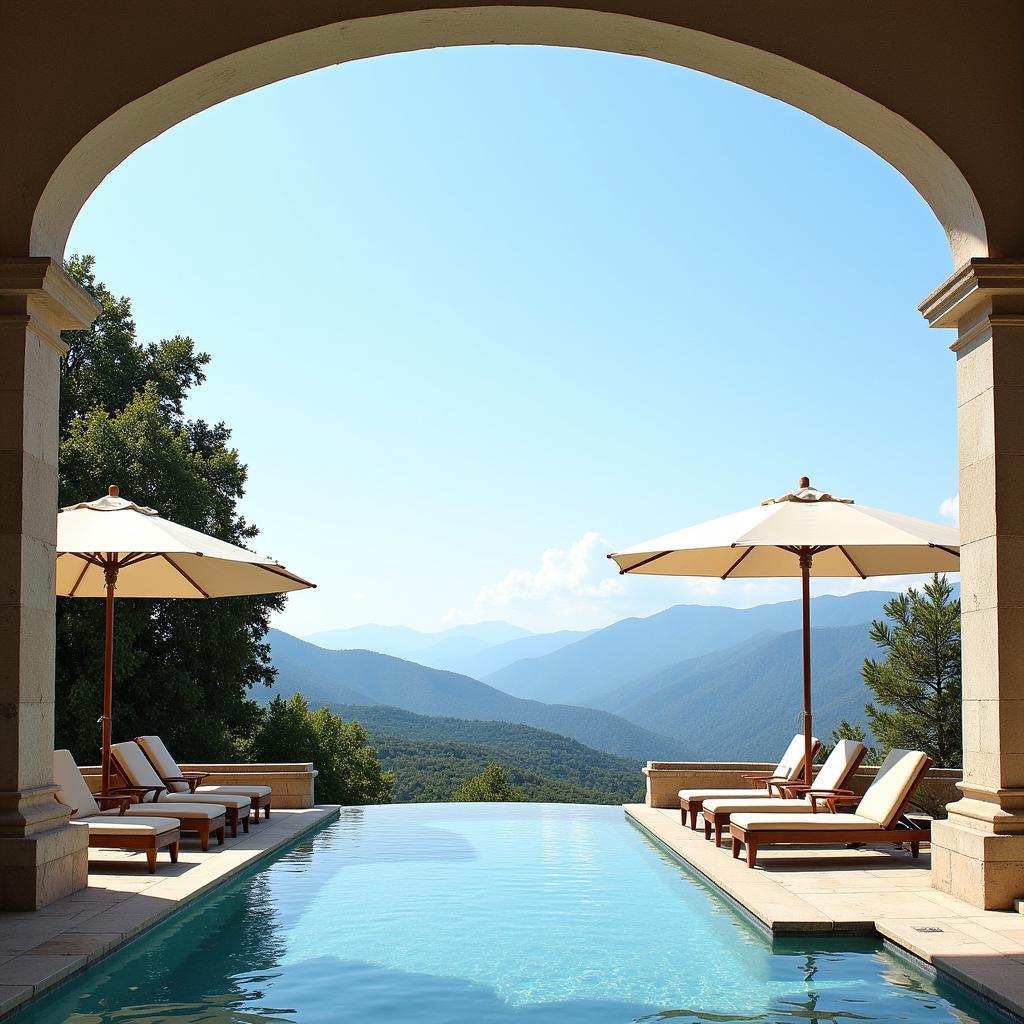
x: 349, y: 769
x: 917, y: 686
x: 491, y: 785
x: 428, y: 771
x: 182, y: 668
x: 848, y: 731
x: 549, y: 759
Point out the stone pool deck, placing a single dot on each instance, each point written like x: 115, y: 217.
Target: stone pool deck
x: 859, y: 892
x: 42, y: 948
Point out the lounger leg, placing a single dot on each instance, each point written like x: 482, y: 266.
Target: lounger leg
x: 151, y: 859
x: 694, y: 811
x: 233, y: 821
x: 682, y: 814
x: 245, y: 823
x: 204, y: 835
x: 707, y: 829
x: 736, y: 847
x: 173, y: 851
x: 220, y: 836
x: 751, y: 853
x: 915, y: 850
x: 718, y: 834
x: 266, y: 811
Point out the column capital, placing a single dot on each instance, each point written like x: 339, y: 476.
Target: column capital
x: 982, y: 286
x: 38, y: 292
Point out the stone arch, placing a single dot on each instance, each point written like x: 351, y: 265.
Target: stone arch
x: 894, y: 138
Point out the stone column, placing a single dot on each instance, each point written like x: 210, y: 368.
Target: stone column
x: 42, y: 857
x: 978, y: 853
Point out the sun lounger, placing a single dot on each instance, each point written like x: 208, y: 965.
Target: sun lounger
x: 112, y: 828
x: 797, y: 797
x: 178, y: 781
x: 762, y: 784
x: 198, y: 814
x: 878, y: 817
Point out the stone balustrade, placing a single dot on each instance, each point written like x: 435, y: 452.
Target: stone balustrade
x: 292, y: 784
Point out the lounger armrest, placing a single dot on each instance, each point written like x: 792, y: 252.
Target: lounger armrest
x: 103, y: 802
x: 830, y: 797
x: 191, y: 779
x: 137, y: 793
x: 787, y: 789
x: 763, y: 780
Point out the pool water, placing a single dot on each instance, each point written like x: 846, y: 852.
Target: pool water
x: 490, y: 914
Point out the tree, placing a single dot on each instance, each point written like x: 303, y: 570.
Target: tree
x: 917, y: 686
x: 349, y: 769
x: 491, y: 785
x: 182, y: 668
x: 849, y: 731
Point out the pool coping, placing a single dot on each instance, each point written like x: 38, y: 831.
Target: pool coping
x: 980, y: 951
x: 42, y: 949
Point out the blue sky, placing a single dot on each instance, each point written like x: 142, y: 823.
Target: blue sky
x: 479, y: 316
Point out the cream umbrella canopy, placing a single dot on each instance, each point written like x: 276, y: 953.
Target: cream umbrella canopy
x: 806, y: 532
x: 112, y: 545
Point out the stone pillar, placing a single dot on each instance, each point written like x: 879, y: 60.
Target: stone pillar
x: 42, y: 857
x: 978, y: 853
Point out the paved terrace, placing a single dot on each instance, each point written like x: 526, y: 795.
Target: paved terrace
x: 38, y: 949
x: 860, y: 892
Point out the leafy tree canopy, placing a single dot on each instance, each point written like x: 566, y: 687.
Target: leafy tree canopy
x: 491, y: 785
x: 349, y: 769
x: 181, y: 668
x: 917, y: 686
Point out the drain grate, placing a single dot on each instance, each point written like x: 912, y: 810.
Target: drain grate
x: 928, y: 929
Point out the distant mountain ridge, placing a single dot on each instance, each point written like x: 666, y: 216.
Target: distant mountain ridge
x: 367, y: 678
x: 586, y: 671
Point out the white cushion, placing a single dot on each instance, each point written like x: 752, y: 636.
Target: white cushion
x: 807, y: 822
x: 173, y: 809
x: 73, y: 788
x: 240, y: 803
x: 777, y: 805
x: 128, y: 825
x: 891, y: 786
x: 711, y: 794
x: 133, y: 763
x: 251, y: 791
x: 837, y: 765
x: 792, y: 763
x: 167, y: 768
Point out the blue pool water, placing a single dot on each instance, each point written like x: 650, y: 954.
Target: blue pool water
x: 490, y: 914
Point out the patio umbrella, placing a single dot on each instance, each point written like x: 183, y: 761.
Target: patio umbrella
x: 804, y: 533
x: 112, y: 545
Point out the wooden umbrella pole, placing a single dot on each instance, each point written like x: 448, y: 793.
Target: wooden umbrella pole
x: 805, y: 571
x: 110, y: 575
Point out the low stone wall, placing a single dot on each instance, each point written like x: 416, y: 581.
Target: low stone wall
x: 292, y: 784
x: 666, y: 778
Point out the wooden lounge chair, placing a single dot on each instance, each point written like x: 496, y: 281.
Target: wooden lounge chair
x: 762, y: 784
x: 878, y: 817
x: 178, y: 781
x: 831, y: 780
x: 111, y: 827
x: 201, y: 816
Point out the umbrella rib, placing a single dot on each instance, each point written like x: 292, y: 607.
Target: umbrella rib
x: 81, y: 576
x: 287, y: 575
x: 728, y: 572
x: 860, y: 572
x: 949, y: 551
x: 645, y: 561
x: 171, y: 561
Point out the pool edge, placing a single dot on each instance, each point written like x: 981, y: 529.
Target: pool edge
x: 15, y: 1002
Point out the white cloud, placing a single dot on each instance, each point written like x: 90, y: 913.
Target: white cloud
x: 950, y: 508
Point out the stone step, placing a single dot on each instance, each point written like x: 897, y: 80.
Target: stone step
x: 1018, y: 905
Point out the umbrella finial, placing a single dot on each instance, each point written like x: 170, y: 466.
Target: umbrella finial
x: 805, y: 481
x: 113, y: 490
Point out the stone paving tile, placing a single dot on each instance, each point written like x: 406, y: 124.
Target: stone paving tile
x: 39, y: 949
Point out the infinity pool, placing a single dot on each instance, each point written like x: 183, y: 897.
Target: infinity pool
x: 510, y: 913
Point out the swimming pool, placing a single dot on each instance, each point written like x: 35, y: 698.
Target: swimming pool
x: 491, y: 914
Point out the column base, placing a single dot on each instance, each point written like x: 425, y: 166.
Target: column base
x: 37, y: 869
x: 980, y: 867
